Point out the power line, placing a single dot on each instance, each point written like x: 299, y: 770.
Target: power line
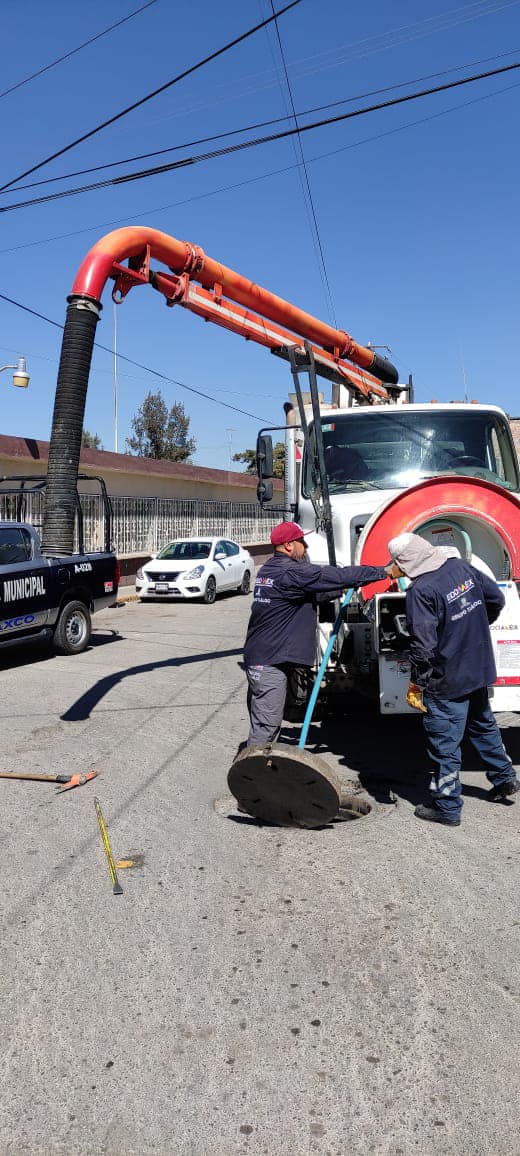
x: 137, y: 104
x: 73, y: 51
x: 261, y: 123
x: 262, y: 176
x: 255, y: 142
x: 360, y: 49
x: 404, y: 35
x: 138, y: 364
x: 306, y: 187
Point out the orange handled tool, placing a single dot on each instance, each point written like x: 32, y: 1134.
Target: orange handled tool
x: 68, y: 781
x: 75, y: 781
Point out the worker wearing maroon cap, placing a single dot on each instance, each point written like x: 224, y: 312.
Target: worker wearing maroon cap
x: 282, y: 628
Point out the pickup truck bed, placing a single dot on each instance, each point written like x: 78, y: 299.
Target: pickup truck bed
x: 44, y: 599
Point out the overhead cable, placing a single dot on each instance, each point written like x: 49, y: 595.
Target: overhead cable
x: 306, y: 188
x: 150, y: 96
x: 256, y: 141
x: 356, y: 50
x: 407, y: 34
x: 73, y: 51
x: 260, y: 176
x: 260, y: 124
x: 139, y: 364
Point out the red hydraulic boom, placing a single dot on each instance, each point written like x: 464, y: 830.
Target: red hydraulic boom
x: 214, y: 292
x: 229, y: 300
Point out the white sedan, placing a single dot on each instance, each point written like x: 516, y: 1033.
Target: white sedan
x: 196, y: 568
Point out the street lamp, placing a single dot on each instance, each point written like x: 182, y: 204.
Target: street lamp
x: 20, y: 375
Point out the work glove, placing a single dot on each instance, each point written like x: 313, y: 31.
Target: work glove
x: 414, y: 697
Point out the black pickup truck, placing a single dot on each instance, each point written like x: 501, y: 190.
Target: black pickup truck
x: 51, y: 599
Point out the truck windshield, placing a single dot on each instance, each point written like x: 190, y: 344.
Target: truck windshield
x: 382, y: 450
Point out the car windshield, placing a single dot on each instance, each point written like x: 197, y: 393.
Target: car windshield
x: 190, y: 550
x: 396, y: 450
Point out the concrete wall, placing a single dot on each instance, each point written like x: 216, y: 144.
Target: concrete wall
x: 514, y: 422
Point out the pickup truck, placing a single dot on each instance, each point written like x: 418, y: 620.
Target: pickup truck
x: 51, y: 599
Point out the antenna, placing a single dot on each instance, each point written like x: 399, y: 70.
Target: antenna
x: 230, y: 430
x: 466, y: 398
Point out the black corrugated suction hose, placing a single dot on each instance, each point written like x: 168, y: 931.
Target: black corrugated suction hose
x: 67, y: 425
x: 384, y: 370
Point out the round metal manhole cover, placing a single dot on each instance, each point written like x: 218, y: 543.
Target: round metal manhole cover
x: 285, y: 785
x: 280, y: 784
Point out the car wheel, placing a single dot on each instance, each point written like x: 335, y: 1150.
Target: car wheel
x: 245, y: 584
x: 72, y: 631
x: 210, y: 592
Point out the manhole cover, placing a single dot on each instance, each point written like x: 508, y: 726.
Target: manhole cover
x: 285, y: 785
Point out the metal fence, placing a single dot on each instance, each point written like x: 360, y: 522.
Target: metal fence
x: 142, y: 525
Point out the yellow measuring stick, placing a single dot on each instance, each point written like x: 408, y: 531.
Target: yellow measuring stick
x: 118, y: 890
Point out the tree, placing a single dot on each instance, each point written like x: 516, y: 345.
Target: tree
x: 161, y: 433
x: 90, y: 441
x: 249, y: 458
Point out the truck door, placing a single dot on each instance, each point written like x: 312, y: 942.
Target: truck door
x: 24, y: 583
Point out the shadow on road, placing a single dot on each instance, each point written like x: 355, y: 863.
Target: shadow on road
x: 388, y: 754
x: 29, y: 653
x: 104, y: 637
x: 83, y: 706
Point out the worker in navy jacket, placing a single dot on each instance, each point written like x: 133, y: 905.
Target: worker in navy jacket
x: 283, y: 623
x: 449, y: 608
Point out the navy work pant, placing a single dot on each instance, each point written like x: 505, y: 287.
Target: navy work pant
x: 265, y: 702
x: 445, y: 725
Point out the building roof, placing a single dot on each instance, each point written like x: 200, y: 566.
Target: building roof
x: 22, y: 449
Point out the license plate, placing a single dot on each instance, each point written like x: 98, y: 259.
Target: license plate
x: 161, y: 587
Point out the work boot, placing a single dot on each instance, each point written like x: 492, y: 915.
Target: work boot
x: 433, y: 815
x: 510, y: 787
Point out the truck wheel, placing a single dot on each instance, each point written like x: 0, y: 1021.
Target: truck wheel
x: 72, y: 632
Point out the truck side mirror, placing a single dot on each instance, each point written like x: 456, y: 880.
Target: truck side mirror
x: 264, y: 492
x: 264, y: 456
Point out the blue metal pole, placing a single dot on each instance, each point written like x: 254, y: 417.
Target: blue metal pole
x: 319, y: 677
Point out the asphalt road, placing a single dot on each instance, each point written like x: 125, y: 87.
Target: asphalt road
x: 255, y: 990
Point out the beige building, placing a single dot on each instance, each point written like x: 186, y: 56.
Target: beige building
x: 153, y: 501
x: 126, y: 475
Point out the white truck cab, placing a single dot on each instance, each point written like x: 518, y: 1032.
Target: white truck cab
x: 446, y: 471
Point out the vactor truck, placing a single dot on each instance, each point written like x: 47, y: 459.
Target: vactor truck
x: 447, y: 472
x: 360, y: 475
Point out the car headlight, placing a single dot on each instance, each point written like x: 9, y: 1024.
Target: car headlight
x: 140, y: 575
x: 196, y: 573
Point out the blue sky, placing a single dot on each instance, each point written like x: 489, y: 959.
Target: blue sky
x: 418, y: 222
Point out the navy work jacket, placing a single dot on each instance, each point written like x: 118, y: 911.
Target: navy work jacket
x: 282, y: 626
x: 448, y: 615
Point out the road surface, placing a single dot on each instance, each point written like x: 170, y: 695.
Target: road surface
x: 259, y: 990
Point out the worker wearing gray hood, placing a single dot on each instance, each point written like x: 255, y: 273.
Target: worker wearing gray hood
x: 449, y: 607
x: 416, y: 556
